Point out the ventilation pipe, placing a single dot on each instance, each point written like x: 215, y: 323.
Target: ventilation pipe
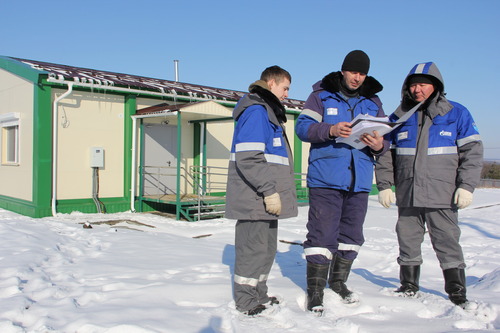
x: 176, y: 68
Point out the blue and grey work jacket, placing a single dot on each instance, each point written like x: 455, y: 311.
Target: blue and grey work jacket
x: 261, y: 163
x: 336, y: 165
x: 437, y: 150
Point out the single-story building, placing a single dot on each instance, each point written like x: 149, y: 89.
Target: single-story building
x: 78, y: 139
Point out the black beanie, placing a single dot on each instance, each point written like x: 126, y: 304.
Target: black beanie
x: 419, y: 78
x: 356, y: 61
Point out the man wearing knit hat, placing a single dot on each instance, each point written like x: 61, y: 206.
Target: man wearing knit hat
x: 339, y: 176
x: 435, y: 166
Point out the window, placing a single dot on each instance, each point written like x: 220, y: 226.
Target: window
x: 10, y: 138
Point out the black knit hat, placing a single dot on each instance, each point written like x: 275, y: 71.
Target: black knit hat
x: 421, y: 78
x: 356, y: 61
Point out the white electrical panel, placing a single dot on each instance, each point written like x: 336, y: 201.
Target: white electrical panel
x: 96, y: 157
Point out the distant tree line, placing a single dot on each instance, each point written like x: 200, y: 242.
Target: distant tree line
x: 491, y: 170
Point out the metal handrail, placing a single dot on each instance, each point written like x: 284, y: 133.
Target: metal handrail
x: 201, y: 179
x: 202, y: 176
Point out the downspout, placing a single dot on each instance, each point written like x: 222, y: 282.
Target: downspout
x: 134, y: 164
x: 54, y: 145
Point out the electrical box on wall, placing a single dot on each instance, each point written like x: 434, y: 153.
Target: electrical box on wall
x: 96, y: 157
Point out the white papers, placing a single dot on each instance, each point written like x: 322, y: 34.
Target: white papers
x: 364, y: 123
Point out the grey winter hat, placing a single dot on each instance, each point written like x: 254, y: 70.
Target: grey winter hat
x: 356, y: 61
x: 428, y: 70
x: 420, y: 78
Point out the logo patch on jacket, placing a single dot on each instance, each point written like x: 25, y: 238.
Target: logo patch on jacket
x: 277, y: 142
x: 332, y: 111
x: 445, y: 133
x: 402, y: 135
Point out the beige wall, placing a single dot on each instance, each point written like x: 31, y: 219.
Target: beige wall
x: 219, y: 138
x: 186, y: 156
x: 218, y: 141
x: 16, y: 95
x: 87, y: 120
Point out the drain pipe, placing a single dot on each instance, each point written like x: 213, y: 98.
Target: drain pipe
x: 54, y: 145
x: 133, y: 164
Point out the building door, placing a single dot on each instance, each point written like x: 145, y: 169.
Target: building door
x: 160, y: 160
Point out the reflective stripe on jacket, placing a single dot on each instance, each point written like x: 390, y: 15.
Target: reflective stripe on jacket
x: 260, y: 163
x: 430, y: 165
x: 331, y: 164
x: 437, y: 150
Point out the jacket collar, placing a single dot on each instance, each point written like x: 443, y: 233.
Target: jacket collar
x: 332, y: 84
x: 437, y: 106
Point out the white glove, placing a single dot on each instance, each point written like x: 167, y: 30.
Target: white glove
x: 386, y: 197
x: 273, y: 204
x: 463, y: 198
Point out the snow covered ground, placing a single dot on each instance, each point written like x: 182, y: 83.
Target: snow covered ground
x: 147, y: 273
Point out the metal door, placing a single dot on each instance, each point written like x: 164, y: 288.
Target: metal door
x: 160, y: 159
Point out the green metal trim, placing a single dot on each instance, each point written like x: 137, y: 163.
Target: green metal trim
x: 27, y: 208
x: 293, y: 112
x: 130, y: 108
x: 24, y: 207
x: 42, y: 149
x: 21, y: 69
x: 141, y: 166
x: 87, y: 206
x: 153, y: 94
x: 297, y: 150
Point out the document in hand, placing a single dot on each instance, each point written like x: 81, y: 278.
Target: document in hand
x: 364, y: 123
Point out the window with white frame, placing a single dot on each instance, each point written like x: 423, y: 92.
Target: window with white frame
x: 9, y: 124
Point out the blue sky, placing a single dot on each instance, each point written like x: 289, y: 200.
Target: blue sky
x: 228, y: 43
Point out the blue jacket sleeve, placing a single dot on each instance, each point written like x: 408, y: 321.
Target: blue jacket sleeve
x: 252, y: 132
x: 310, y: 127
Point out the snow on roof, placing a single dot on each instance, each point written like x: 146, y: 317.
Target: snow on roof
x: 104, y: 78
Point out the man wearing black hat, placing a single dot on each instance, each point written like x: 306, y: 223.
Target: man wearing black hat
x: 339, y: 176
x: 435, y: 166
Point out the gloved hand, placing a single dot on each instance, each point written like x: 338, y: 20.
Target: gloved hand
x: 462, y: 198
x: 386, y: 197
x: 273, y: 204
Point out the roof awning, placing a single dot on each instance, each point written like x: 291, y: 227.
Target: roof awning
x: 197, y: 111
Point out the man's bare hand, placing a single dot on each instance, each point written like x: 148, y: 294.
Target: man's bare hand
x: 342, y: 130
x: 375, y: 141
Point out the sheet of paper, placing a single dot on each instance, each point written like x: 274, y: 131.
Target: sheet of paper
x: 362, y: 124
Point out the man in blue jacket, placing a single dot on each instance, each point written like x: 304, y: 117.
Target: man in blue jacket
x: 260, y: 186
x: 339, y: 176
x: 435, y: 166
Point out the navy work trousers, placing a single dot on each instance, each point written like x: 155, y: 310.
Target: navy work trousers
x: 335, y: 224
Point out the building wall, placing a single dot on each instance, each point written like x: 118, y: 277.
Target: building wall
x: 87, y: 120
x: 219, y: 137
x: 305, y: 158
x: 16, y: 95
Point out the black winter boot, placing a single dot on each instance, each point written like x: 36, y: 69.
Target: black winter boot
x: 339, y: 272
x: 409, y: 276
x: 454, y: 285
x: 316, y: 282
